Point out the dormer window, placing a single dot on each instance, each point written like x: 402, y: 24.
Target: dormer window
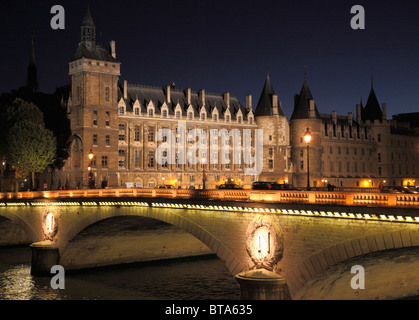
x: 203, y: 116
x: 164, y: 113
x: 177, y: 114
x: 215, y: 117
x: 137, y: 111
x: 239, y: 119
x: 150, y: 112
x: 190, y: 115
x: 227, y: 118
x: 121, y: 110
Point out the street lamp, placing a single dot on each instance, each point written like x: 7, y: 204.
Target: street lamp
x: 307, y: 140
x: 204, y: 176
x: 90, y: 177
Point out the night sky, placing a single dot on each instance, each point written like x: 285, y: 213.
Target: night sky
x: 230, y: 46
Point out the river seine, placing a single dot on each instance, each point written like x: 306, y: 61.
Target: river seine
x: 183, y: 279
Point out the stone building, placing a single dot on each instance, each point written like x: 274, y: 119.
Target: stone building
x: 143, y: 136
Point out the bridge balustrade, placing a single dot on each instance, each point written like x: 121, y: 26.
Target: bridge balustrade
x: 371, y: 199
x: 279, y: 196
x: 405, y: 200
x: 334, y: 198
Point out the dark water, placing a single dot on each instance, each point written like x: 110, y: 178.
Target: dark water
x: 191, y: 279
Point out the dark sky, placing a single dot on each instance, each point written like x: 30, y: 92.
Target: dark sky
x: 227, y: 45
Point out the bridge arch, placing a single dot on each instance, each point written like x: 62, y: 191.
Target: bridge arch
x: 31, y: 230
x: 341, y: 252
x: 168, y: 216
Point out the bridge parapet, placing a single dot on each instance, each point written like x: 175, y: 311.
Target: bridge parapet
x: 348, y: 198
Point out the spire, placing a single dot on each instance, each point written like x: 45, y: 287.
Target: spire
x: 265, y: 105
x: 372, y: 110
x: 302, y: 104
x: 88, y: 29
x: 32, y: 75
x: 88, y: 20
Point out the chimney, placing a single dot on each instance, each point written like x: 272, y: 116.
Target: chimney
x: 113, y: 50
x: 188, y: 96
x: 334, y: 117
x: 350, y: 118
x: 249, y: 103
x: 274, y: 104
x: 125, y: 89
x: 358, y: 113
x: 202, y: 96
x: 312, y: 109
x: 168, y: 93
x: 227, y: 99
x: 384, y: 107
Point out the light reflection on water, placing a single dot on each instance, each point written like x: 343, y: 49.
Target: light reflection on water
x: 175, y: 280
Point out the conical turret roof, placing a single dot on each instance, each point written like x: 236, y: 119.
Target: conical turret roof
x: 302, y: 104
x: 264, y: 106
x: 372, y: 110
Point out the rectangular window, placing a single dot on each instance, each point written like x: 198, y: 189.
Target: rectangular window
x: 137, y: 133
x: 104, y: 162
x: 95, y: 139
x: 150, y: 159
x: 107, y: 140
x: 107, y: 94
x: 271, y: 164
x: 137, y: 159
x: 150, y: 136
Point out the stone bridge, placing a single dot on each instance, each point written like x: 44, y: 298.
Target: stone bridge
x: 309, y: 245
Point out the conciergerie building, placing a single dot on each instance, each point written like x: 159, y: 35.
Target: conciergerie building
x: 142, y: 136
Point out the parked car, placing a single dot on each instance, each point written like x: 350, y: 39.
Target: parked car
x: 283, y: 186
x: 261, y: 185
x: 394, y: 189
x: 166, y: 186
x: 229, y: 186
x: 413, y: 189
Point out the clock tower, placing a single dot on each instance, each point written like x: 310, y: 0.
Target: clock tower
x: 93, y: 111
x: 88, y: 30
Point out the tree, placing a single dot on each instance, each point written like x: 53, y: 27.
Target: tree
x: 28, y: 146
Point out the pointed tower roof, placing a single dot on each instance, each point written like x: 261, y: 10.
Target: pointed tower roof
x: 32, y: 75
x: 372, y: 110
x: 264, y: 106
x: 87, y: 47
x: 302, y: 104
x: 88, y: 20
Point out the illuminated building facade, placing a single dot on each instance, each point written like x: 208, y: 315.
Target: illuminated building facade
x: 120, y: 124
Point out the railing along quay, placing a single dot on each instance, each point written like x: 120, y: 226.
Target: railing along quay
x: 356, y: 198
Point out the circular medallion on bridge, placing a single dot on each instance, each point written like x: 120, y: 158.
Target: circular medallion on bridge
x: 264, y: 242
x: 49, y: 225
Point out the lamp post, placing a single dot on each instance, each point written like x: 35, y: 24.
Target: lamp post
x: 2, y: 169
x: 204, y: 176
x: 90, y: 177
x: 307, y: 139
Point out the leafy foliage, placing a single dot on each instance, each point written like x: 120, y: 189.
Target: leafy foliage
x: 25, y: 142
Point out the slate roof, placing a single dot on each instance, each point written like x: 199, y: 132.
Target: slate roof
x: 372, y: 110
x: 96, y: 52
x: 264, y: 106
x: 88, y: 20
x: 302, y: 104
x: 157, y: 95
